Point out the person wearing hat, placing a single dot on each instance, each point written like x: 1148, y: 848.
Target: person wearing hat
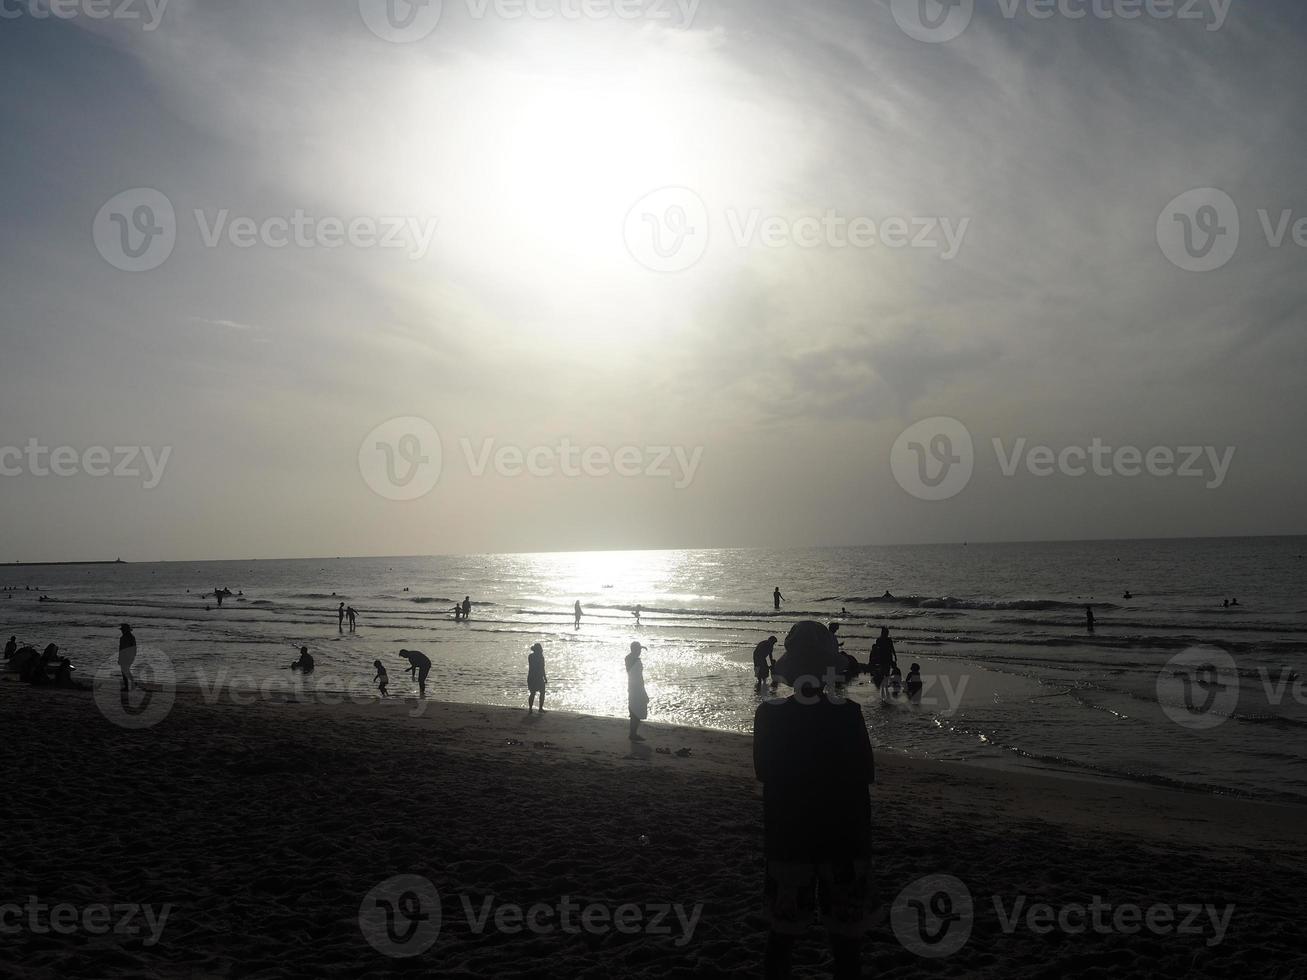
x: 535, y: 676
x: 812, y: 754
x: 126, y: 656
x: 637, y: 698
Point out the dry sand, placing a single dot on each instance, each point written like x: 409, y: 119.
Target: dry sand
x: 263, y: 827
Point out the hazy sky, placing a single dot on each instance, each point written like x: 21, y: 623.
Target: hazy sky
x: 520, y: 310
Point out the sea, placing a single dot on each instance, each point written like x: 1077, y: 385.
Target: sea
x: 1172, y: 688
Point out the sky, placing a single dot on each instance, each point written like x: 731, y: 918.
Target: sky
x: 654, y: 274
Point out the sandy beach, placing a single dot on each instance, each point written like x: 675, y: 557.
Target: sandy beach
x: 249, y: 837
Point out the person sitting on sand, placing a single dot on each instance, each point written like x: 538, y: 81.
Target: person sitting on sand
x: 36, y: 669
x: 637, y: 698
x: 305, y: 662
x: 382, y: 679
x: 63, y: 674
x: 882, y: 659
x: 764, y: 660
x: 536, y: 681
x: 814, y: 759
x: 419, y: 666
x: 127, y: 656
x: 912, y: 684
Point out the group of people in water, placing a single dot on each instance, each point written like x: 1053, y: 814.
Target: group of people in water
x: 882, y: 667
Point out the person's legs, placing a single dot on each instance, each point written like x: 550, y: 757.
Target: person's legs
x: 542, y: 699
x: 776, y: 961
x: 635, y: 727
x: 531, y: 702
x: 422, y: 681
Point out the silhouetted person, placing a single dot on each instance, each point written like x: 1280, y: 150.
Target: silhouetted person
x: 126, y: 656
x: 1234, y: 602
x: 764, y: 659
x: 777, y: 598
x: 912, y: 684
x: 576, y: 614
x: 637, y: 615
x: 1127, y: 595
x: 63, y: 674
x: 814, y: 760
x: 305, y: 663
x: 893, y: 684
x: 352, y: 616
x: 381, y: 679
x: 217, y: 594
x: 536, y: 681
x: 467, y: 608
x: 883, y: 659
x: 637, y: 698
x: 1089, y: 618
x: 1225, y: 604
x: 419, y: 666
x: 12, y: 646
x: 340, y: 618
x: 458, y: 613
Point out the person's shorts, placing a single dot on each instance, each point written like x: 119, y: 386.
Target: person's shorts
x: 795, y: 892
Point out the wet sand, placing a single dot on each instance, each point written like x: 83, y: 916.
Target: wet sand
x: 261, y: 828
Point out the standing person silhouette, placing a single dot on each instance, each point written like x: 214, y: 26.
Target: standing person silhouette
x: 352, y: 616
x: 1089, y: 618
x: 467, y: 608
x: 637, y: 615
x: 637, y: 698
x: 127, y: 656
x: 419, y: 666
x: 381, y: 679
x: 340, y: 618
x: 764, y: 660
x: 576, y: 614
x: 814, y: 759
x: 536, y: 681
x: 883, y: 659
x: 777, y: 598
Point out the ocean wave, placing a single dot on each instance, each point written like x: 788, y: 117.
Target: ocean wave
x: 952, y: 602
